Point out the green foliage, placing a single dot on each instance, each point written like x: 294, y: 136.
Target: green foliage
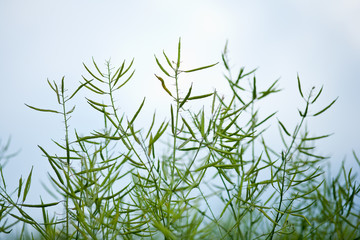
x: 122, y: 182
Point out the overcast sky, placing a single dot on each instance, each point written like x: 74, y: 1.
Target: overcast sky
x: 42, y: 39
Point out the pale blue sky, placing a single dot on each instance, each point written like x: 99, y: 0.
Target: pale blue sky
x: 43, y: 39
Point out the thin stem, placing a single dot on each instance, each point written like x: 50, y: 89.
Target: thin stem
x: 63, y: 103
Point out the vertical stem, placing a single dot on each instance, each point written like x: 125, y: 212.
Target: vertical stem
x: 176, y: 70
x: 67, y: 155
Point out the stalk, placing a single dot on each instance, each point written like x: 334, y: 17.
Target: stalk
x: 63, y: 103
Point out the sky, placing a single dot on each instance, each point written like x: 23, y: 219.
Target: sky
x: 40, y: 40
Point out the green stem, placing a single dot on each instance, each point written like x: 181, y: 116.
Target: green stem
x: 63, y: 103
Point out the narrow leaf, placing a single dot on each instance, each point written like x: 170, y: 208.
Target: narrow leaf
x: 254, y: 93
x: 163, y: 84
x: 70, y: 111
x: 267, y: 118
x: 20, y: 186
x: 160, y: 132
x: 219, y: 150
x: 240, y: 76
x: 224, y: 61
x: 40, y: 205
x: 94, y: 169
x: 161, y: 67
x: 127, y: 80
x: 126, y: 70
x: 168, y: 60
x: 151, y: 126
x: 92, y: 87
x: 118, y: 72
x: 178, y: 57
x: 52, y: 87
x: 96, y: 103
x: 356, y: 157
x: 78, y: 89
x: 189, y: 128
x: 42, y: 110
x: 32, y: 222
x: 228, y: 166
x: 63, y: 85
x: 133, y: 133
x: 137, y: 112
x: 27, y: 185
x: 299, y: 86
x: 202, y: 124
x: 186, y: 97
x: 317, y: 95
x: 97, y: 67
x: 200, y: 96
x: 173, y: 130
x: 87, y: 69
x: 326, y: 108
x: 316, y: 138
x: 283, y: 128
x: 200, y: 68
x: 208, y: 165
x: 267, y: 216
